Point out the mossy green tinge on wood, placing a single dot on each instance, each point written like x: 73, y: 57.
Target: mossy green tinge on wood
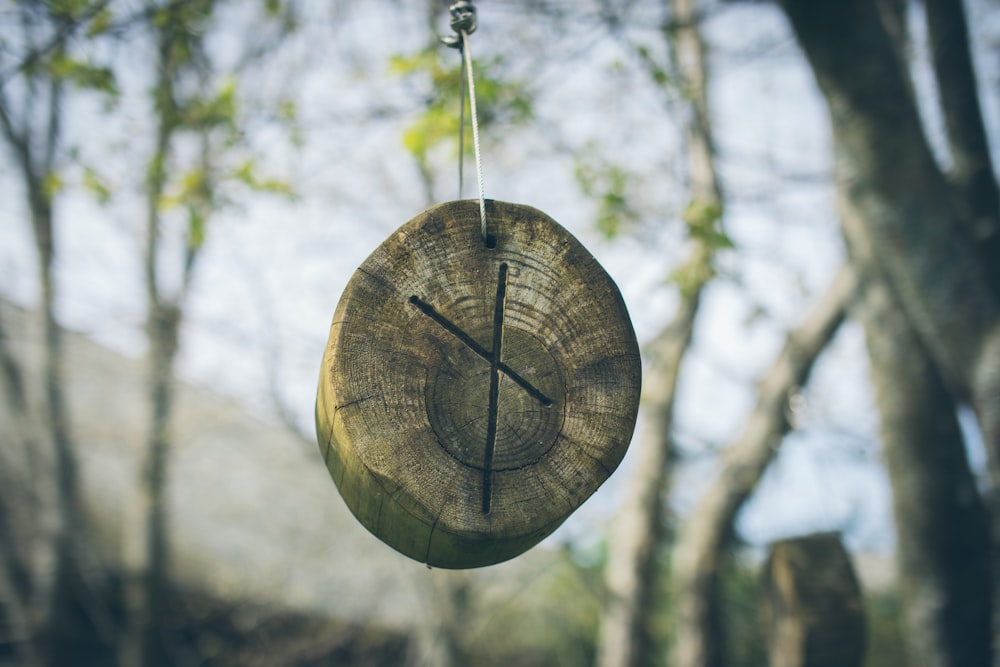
x: 475, y: 391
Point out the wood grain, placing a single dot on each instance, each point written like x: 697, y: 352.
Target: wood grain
x: 471, y: 397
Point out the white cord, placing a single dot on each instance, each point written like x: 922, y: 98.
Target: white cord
x: 467, y: 59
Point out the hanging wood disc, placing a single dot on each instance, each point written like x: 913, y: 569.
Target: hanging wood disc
x: 474, y: 393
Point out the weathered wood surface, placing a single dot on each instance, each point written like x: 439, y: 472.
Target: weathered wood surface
x: 815, y: 608
x: 473, y: 394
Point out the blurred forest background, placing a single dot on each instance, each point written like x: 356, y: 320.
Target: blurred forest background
x: 797, y: 199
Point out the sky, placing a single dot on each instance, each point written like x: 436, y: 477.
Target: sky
x: 272, y: 270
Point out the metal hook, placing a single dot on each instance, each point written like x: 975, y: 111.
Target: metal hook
x: 463, y: 20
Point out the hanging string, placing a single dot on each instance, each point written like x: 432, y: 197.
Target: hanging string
x: 461, y: 126
x: 463, y: 22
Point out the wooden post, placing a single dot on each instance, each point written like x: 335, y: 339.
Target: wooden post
x: 815, y: 615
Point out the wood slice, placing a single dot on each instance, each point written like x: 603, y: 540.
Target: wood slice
x: 474, y: 393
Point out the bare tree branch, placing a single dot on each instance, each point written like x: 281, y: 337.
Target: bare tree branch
x: 633, y: 566
x: 972, y: 164
x: 700, y: 550
x: 64, y: 30
x: 639, y: 529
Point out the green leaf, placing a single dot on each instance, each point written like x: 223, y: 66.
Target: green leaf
x: 155, y: 171
x: 704, y: 221
x: 100, y: 23
x: 244, y: 173
x: 432, y: 128
x: 423, y: 61
x: 608, y: 184
x: 83, y: 74
x: 660, y: 76
x: 219, y: 110
x: 196, y: 228
x: 247, y: 174
x: 497, y: 100
x: 700, y: 213
x: 68, y: 9
x: 52, y: 185
x: 93, y: 182
x: 288, y: 111
x: 692, y: 275
x: 191, y: 186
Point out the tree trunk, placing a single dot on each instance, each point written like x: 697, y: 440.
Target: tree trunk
x: 146, y: 552
x: 62, y: 634
x: 905, y: 209
x: 438, y: 638
x: 640, y: 531
x: 148, y: 572
x: 19, y: 508
x: 978, y: 199
x: 941, y: 525
x: 700, y: 551
x: 942, y: 528
x: 60, y: 616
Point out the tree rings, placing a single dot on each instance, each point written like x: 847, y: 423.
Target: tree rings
x: 473, y: 392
